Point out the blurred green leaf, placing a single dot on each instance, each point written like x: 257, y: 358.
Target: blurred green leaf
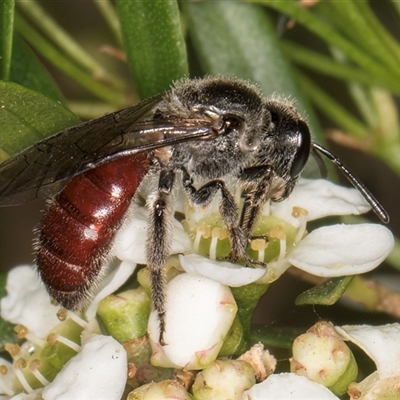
x: 65, y: 64
x: 154, y: 44
x: 326, y: 294
x: 232, y: 38
x: 322, y: 28
x: 27, y: 116
x: 6, y: 37
x: 28, y: 71
x: 65, y: 43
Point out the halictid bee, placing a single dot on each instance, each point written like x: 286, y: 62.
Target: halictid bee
x: 199, y: 135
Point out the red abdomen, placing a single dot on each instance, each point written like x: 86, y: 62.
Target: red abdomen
x: 77, y: 230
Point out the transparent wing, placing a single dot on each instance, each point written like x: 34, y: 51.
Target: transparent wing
x: 43, y: 168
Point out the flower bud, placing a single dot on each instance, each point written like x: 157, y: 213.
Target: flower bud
x: 323, y: 357
x: 224, y: 380
x: 169, y: 389
x: 125, y: 315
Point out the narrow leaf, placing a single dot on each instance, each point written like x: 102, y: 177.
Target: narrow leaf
x: 27, y: 116
x: 326, y: 293
x: 6, y: 37
x: 154, y: 43
x: 28, y: 71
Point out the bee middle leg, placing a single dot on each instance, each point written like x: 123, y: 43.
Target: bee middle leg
x: 158, y: 244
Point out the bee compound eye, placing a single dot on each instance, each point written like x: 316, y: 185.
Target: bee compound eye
x: 303, y: 149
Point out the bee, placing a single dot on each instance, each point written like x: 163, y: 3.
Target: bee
x: 200, y: 134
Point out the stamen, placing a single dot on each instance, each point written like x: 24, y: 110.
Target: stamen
x: 63, y: 314
x: 53, y: 338
x: 13, y: 349
x: 34, y: 368
x: 23, y: 333
x: 216, y: 234
x: 259, y: 245
x: 301, y: 214
x: 278, y: 233
x: 17, y: 367
x: 203, y: 231
x: 3, y: 369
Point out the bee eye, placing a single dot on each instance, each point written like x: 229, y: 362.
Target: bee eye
x: 302, y: 151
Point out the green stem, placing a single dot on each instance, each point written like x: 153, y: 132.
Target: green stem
x: 328, y: 66
x: 353, y: 19
x: 64, y: 64
x: 65, y: 42
x: 305, y: 17
x: 6, y: 37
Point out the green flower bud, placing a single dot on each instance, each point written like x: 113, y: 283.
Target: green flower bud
x: 125, y: 315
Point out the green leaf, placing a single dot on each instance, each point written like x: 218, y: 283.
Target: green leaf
x: 27, y: 116
x: 65, y: 42
x: 328, y: 33
x: 43, y: 46
x: 28, y: 71
x: 326, y: 294
x: 154, y: 43
x: 232, y: 38
x: 6, y: 37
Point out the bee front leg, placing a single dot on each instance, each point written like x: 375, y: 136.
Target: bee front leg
x: 158, y: 244
x: 228, y: 209
x: 258, y: 182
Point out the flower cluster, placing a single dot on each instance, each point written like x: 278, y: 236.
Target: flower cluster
x: 64, y: 355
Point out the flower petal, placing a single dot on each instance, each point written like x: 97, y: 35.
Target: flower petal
x: 112, y: 282
x: 130, y: 242
x: 320, y: 198
x: 288, y: 386
x: 340, y: 250
x: 27, y: 302
x: 381, y: 343
x: 226, y: 273
x: 98, y: 371
x: 199, y: 314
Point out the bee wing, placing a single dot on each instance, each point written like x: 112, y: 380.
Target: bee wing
x: 42, y: 169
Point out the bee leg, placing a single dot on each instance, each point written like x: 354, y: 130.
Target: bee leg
x: 257, y: 180
x: 159, y: 242
x: 228, y: 209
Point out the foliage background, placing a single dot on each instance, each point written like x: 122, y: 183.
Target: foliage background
x: 339, y: 60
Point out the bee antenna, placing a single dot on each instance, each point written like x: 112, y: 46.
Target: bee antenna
x: 368, y: 196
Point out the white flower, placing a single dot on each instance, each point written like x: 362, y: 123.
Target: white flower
x: 330, y: 251
x: 27, y: 304
x: 98, y: 371
x: 381, y: 344
x: 196, y: 323
x: 288, y: 386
